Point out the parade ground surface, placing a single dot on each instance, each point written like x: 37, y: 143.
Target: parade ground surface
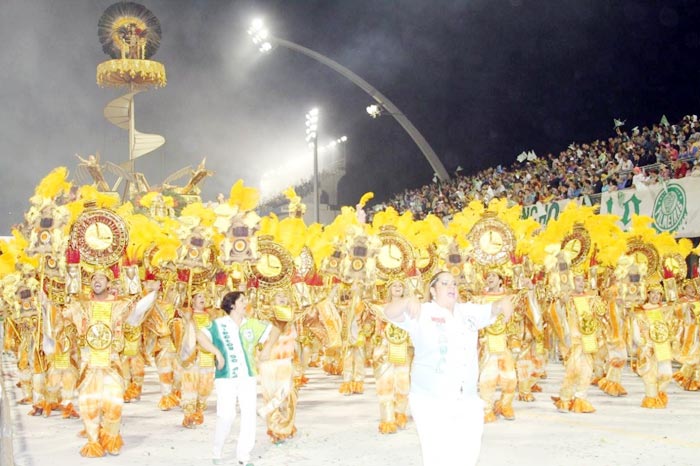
x: 337, y: 430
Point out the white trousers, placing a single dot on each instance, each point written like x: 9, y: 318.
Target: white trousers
x: 449, y: 431
x: 228, y: 392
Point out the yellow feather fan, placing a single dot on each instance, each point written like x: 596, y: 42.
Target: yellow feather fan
x: 206, y: 216
x: 53, y: 184
x: 318, y: 243
x: 339, y: 226
x: 244, y: 197
x: 90, y: 193
x: 388, y: 216
x: 366, y: 197
x: 143, y: 233
x: 268, y: 225
x: 424, y: 233
x: 462, y: 222
x: 125, y: 209
x: 291, y: 233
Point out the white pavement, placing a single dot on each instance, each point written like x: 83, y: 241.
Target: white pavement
x: 342, y: 431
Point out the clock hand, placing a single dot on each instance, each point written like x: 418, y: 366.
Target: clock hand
x: 269, y: 264
x: 391, y: 248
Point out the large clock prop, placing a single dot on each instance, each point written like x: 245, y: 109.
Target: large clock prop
x: 100, y: 235
x: 493, y: 241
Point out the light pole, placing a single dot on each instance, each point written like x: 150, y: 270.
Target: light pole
x: 312, y: 139
x: 264, y: 40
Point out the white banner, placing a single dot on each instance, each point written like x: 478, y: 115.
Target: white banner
x: 674, y: 206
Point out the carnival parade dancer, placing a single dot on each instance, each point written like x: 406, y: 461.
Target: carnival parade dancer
x: 158, y: 334
x: 392, y: 367
x: 575, y: 324
x: 101, y: 320
x: 652, y: 334
x: 279, y: 392
x: 62, y: 375
x: 533, y: 355
x: 232, y: 339
x: 133, y: 359
x: 688, y: 377
x: 198, y: 364
x: 356, y: 327
x: 443, y: 397
x: 614, y: 331
x: 497, y: 366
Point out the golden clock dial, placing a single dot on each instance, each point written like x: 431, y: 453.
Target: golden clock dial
x: 573, y: 246
x: 675, y: 263
x: 395, y: 255
x: 274, y: 265
x: 492, y: 239
x: 98, y: 236
x: 491, y: 242
x: 269, y: 265
x: 390, y: 256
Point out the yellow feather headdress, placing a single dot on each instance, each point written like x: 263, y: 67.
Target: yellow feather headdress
x: 245, y: 198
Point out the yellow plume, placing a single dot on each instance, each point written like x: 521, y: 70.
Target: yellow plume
x: 125, y: 209
x: 388, y: 216
x: 339, y: 226
x: 245, y: 198
x: 366, y: 197
x: 291, y: 234
x: 143, y: 232
x: 206, y: 216
x: 318, y: 243
x: 53, y: 184
x: 90, y: 193
x: 268, y: 225
x: 684, y: 247
x: 290, y: 193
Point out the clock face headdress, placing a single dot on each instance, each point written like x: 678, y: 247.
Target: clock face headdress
x: 100, y: 236
x: 578, y: 245
x: 274, y: 265
x: 493, y: 241
x: 395, y: 256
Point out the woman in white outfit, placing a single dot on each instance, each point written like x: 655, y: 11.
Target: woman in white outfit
x: 233, y: 338
x: 443, y: 397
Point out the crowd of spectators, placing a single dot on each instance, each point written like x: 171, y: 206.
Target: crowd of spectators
x: 641, y: 157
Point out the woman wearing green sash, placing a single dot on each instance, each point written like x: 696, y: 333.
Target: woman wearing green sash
x: 232, y: 338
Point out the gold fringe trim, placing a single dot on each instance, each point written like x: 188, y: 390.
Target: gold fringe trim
x: 92, y: 450
x: 387, y: 427
x: 653, y: 402
x: 401, y: 420
x: 358, y: 387
x: 125, y: 71
x: 168, y: 402
x: 111, y: 443
x: 504, y: 410
x: 489, y: 417
x: 345, y: 388
x: 611, y: 388
x: 579, y: 405
x: 69, y: 412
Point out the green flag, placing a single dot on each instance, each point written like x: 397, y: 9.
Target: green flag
x: 664, y: 121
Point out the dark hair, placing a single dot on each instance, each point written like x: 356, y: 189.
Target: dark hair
x: 434, y: 280
x: 229, y: 300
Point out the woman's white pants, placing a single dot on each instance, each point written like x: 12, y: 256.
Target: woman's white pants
x: 449, y: 430
x: 228, y: 392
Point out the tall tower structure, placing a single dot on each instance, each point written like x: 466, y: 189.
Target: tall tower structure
x: 130, y: 35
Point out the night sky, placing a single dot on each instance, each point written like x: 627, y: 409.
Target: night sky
x: 483, y: 80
